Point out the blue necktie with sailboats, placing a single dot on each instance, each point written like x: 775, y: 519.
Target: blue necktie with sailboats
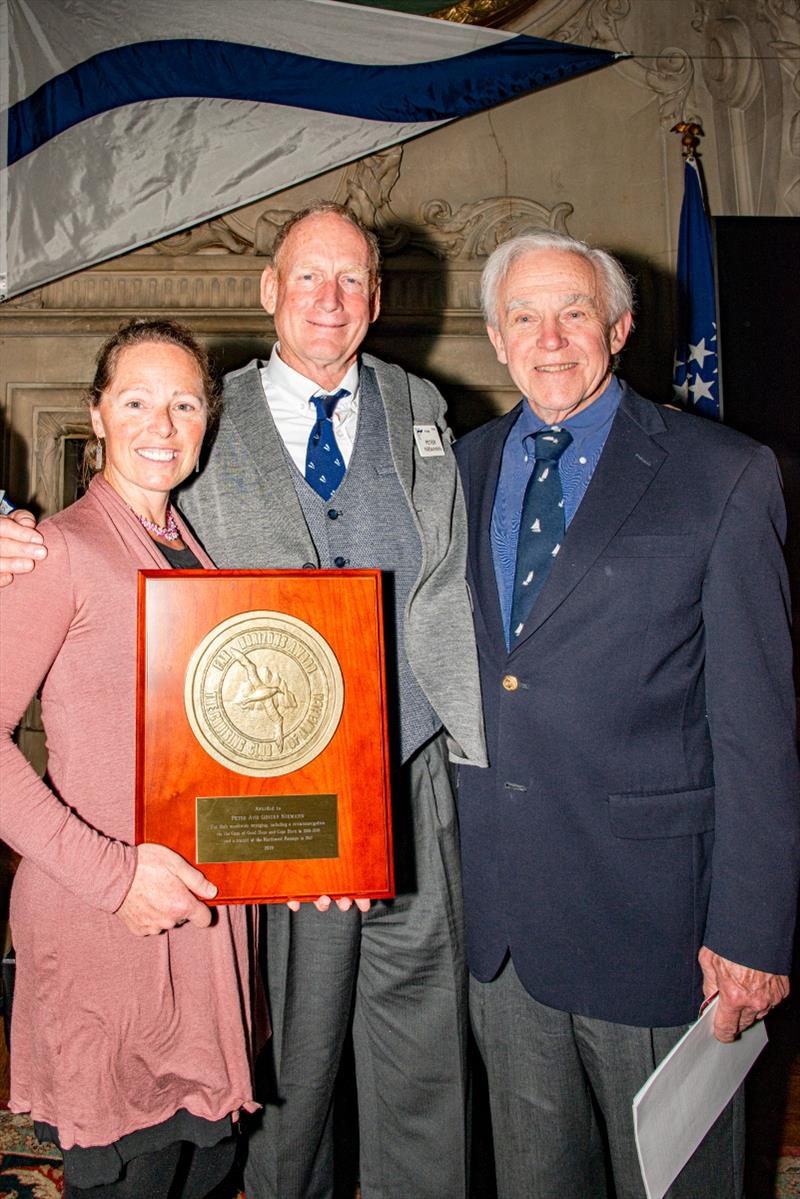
x: 541, y: 526
x: 324, y: 462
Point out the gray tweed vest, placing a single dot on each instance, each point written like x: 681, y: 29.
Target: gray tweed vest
x: 367, y: 525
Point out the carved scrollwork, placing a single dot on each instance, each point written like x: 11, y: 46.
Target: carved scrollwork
x: 29, y: 299
x: 792, y: 198
x: 211, y: 235
x: 474, y: 230
x: 266, y: 227
x: 471, y: 231
x: 599, y: 23
x: 732, y: 71
x: 595, y: 24
x: 782, y: 17
x: 794, y: 135
x: 671, y: 79
x: 700, y: 15
x: 750, y: 67
x: 369, y: 187
x: 789, y: 53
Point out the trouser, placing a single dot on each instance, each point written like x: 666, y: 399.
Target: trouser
x: 178, y: 1171
x: 560, y: 1090
x: 399, y: 971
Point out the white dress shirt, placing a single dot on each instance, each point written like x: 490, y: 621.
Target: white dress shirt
x: 289, y: 398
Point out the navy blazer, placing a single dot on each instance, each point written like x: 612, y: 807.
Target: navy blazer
x: 642, y: 794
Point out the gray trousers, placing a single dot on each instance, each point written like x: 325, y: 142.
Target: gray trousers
x: 560, y: 1090
x: 400, y: 972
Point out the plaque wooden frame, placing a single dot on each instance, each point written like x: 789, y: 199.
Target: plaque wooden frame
x: 340, y: 797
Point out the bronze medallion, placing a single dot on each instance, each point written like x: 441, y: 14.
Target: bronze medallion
x: 263, y: 693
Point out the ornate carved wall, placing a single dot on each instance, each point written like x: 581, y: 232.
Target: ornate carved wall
x: 594, y: 156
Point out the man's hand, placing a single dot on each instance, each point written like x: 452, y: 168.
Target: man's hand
x: 20, y: 545
x: 745, y: 995
x: 324, y: 902
x: 162, y: 893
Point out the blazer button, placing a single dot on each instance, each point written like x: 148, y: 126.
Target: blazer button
x: 333, y: 513
x: 340, y: 561
x: 510, y: 682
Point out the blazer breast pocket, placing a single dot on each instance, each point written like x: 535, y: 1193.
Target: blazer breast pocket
x: 650, y: 545
x: 666, y: 814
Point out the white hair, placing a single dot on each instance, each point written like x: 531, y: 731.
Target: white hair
x: 615, y: 285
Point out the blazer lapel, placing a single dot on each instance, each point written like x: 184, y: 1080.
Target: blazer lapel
x: 484, y: 470
x: 628, y: 464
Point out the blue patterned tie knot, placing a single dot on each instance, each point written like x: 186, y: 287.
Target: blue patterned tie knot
x: 541, y: 526
x: 324, y: 463
x: 550, y: 443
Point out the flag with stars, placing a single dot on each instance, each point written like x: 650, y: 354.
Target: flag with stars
x: 696, y: 377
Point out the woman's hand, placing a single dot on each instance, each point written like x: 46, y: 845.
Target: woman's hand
x: 324, y: 902
x: 163, y: 893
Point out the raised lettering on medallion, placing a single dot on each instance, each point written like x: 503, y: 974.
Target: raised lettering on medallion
x: 263, y: 693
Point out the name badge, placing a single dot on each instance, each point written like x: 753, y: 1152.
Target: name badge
x: 429, y: 443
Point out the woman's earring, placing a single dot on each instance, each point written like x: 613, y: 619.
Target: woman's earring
x: 98, y: 454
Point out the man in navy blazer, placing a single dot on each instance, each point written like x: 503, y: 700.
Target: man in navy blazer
x: 633, y: 845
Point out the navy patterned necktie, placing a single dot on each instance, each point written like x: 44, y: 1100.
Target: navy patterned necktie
x: 541, y: 526
x: 324, y: 463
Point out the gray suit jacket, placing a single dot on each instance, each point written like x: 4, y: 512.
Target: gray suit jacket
x: 244, y: 509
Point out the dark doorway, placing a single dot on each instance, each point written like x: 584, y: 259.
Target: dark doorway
x: 758, y: 310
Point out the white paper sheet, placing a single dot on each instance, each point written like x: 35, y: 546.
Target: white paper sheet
x: 682, y: 1098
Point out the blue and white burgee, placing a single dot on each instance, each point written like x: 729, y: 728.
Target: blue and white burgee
x: 124, y: 123
x: 696, y: 374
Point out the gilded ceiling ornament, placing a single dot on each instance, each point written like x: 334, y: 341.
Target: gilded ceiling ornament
x: 491, y: 13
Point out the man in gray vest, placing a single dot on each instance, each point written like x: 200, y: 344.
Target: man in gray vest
x: 327, y: 459
x: 392, y: 502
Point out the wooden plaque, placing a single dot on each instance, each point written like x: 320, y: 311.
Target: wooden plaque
x: 261, y: 730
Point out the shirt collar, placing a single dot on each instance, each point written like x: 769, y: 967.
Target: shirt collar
x: 586, y: 423
x: 299, y: 389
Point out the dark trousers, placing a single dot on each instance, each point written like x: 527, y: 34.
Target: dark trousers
x: 560, y: 1090
x: 399, y: 973
x: 178, y: 1171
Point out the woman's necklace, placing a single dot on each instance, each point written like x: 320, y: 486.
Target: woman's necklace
x: 169, y: 531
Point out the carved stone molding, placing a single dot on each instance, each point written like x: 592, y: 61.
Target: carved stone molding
x: 196, y: 278
x: 468, y: 233
x: 672, y: 79
x: 51, y: 429
x: 732, y: 73
x: 598, y: 23
x: 475, y: 230
x: 747, y: 56
x: 587, y: 22
x: 752, y: 71
x: 211, y: 235
x: 128, y: 290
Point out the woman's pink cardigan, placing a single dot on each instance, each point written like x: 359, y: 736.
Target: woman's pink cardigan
x: 111, y: 1032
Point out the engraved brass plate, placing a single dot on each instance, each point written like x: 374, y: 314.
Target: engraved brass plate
x: 266, y: 828
x: 263, y: 693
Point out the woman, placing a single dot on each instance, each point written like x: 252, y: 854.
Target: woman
x: 131, y: 1049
